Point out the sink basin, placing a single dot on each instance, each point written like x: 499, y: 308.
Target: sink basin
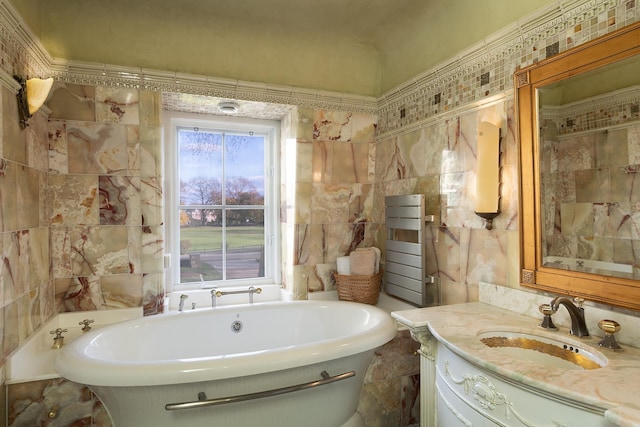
x: 544, y: 350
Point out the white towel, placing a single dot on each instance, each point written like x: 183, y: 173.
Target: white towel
x: 344, y: 265
x: 377, y: 263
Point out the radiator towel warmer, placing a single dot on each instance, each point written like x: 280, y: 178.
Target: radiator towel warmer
x: 405, y: 264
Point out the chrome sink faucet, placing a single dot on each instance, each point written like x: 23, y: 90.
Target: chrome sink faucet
x: 578, y: 324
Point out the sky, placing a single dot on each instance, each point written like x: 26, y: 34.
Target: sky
x: 200, y: 155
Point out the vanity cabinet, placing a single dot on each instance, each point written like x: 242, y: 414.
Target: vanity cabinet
x: 468, y: 396
x: 456, y: 392
x: 466, y: 382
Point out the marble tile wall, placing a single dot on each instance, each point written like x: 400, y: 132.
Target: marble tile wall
x: 343, y: 176
x: 589, y: 197
x: 391, y: 392
x: 439, y: 161
x: 55, y: 402
x: 26, y: 290
x: 334, y: 193
x: 82, y: 217
x: 106, y: 198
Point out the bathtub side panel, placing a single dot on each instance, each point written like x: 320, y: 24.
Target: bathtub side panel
x: 324, y: 406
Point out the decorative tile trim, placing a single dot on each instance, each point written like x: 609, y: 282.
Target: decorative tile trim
x: 8, y: 81
x: 598, y: 112
x: 20, y: 50
x: 556, y: 28
x: 455, y: 82
x: 160, y: 81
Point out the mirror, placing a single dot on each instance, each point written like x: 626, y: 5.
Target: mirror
x: 579, y: 128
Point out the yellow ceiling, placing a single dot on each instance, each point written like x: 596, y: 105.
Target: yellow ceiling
x: 363, y: 47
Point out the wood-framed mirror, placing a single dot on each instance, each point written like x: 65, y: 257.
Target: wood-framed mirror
x: 579, y: 130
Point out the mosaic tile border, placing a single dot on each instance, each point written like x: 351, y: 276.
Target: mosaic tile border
x: 459, y: 81
x: 601, y: 112
x: 483, y: 70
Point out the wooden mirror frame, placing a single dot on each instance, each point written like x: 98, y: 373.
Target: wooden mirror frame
x: 607, y: 49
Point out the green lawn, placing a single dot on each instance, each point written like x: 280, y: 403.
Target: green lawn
x: 202, y: 239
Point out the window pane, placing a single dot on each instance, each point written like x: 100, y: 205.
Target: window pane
x: 200, y: 167
x: 244, y: 169
x: 200, y: 245
x: 245, y: 243
x: 220, y: 200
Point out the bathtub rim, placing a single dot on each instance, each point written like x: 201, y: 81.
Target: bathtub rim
x: 74, y: 364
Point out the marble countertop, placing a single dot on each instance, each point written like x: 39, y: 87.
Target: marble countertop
x: 615, y: 387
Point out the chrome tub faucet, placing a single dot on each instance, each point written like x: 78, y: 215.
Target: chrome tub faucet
x: 214, y: 295
x: 182, y: 298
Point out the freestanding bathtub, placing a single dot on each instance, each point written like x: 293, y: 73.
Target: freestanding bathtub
x: 271, y: 364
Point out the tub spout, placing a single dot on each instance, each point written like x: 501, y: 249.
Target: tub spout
x: 214, y: 296
x: 181, y: 305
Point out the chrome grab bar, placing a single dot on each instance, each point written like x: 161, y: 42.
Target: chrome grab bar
x: 203, y: 401
x: 251, y: 290
x: 215, y: 293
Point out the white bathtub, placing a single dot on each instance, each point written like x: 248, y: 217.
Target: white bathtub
x: 34, y: 359
x: 220, y: 366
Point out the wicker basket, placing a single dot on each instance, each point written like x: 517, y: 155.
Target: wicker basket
x: 364, y: 289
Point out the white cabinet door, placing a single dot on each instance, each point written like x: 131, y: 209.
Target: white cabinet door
x: 468, y: 396
x: 451, y: 411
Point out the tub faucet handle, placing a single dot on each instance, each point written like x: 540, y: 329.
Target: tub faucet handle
x: 58, y: 332
x: 58, y: 340
x: 86, y: 323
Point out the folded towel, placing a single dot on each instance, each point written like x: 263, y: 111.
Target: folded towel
x: 344, y: 265
x: 377, y: 262
x: 363, y: 261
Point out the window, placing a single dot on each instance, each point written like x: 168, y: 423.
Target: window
x: 222, y: 202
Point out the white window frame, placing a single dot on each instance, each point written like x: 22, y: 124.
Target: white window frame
x: 174, y: 120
